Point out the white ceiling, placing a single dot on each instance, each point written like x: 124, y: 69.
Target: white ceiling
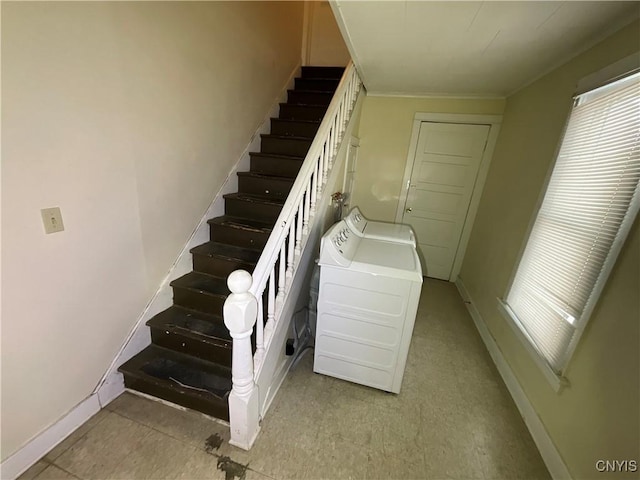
x: 470, y: 48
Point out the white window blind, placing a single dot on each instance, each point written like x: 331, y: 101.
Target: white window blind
x: 591, y: 194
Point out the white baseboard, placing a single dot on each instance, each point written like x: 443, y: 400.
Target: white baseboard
x: 112, y: 384
x: 42, y: 443
x: 548, y: 451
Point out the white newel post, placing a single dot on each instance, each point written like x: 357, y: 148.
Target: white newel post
x: 240, y: 310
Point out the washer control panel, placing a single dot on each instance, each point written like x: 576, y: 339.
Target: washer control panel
x: 340, y: 237
x: 356, y: 221
x: 338, y: 245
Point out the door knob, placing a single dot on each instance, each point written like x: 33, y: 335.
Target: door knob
x: 408, y: 209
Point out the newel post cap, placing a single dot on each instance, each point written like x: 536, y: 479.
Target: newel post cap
x: 240, y: 308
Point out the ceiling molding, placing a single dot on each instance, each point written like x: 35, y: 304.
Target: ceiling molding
x: 453, y: 96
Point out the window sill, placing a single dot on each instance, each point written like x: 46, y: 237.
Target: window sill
x: 557, y: 382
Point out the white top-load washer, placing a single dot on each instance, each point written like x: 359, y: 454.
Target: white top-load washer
x: 390, y: 232
x: 367, y: 303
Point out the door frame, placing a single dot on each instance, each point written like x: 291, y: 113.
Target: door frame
x: 353, y: 142
x: 494, y: 122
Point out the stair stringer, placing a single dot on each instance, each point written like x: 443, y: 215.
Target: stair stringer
x: 276, y: 364
x: 112, y: 383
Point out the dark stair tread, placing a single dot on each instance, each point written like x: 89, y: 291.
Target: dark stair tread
x: 308, y: 127
x: 328, y: 79
x: 287, y: 137
x: 225, y: 250
x: 249, y: 224
x: 307, y: 95
x: 293, y: 120
x: 202, y: 283
x: 246, y: 197
x: 285, y: 166
x: 332, y: 80
x: 266, y: 176
x: 308, y: 90
x: 182, y: 373
x: 242, y: 223
x: 277, y: 155
x: 194, y: 324
x: 304, y: 105
x: 312, y: 71
x: 302, y: 111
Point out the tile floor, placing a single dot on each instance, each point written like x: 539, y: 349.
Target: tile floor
x: 453, y: 419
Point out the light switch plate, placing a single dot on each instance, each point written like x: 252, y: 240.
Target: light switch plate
x: 52, y: 219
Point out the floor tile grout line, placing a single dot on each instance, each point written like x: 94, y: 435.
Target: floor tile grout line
x: 186, y: 443
x: 52, y: 464
x: 201, y: 449
x: 151, y: 427
x: 52, y: 461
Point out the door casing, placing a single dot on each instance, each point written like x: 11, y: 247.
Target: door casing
x: 494, y: 122
x: 350, y: 168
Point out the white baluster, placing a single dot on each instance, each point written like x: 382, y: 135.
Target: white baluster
x: 347, y: 106
x: 290, y: 252
x: 336, y: 133
x: 327, y: 153
x: 270, y: 326
x: 307, y: 209
x: 271, y: 297
x: 281, y: 276
x: 323, y: 164
x: 298, y: 232
x: 319, y: 171
x: 314, y: 188
x: 261, y: 341
x: 346, y: 110
x: 240, y: 309
x: 354, y: 87
x: 330, y: 149
x: 347, y: 98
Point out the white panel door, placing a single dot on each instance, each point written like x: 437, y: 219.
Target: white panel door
x: 445, y: 168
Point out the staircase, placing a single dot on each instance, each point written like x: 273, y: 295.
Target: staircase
x: 189, y: 360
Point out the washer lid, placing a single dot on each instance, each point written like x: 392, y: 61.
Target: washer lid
x: 395, y: 232
x: 398, y: 260
x: 390, y: 232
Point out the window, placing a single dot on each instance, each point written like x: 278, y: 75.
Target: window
x: 590, y: 203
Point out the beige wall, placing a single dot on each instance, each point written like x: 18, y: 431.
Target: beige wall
x: 128, y: 116
x: 325, y: 44
x: 597, y: 417
x: 385, y: 133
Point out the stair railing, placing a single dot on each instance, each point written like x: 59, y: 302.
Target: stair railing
x: 274, y: 272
